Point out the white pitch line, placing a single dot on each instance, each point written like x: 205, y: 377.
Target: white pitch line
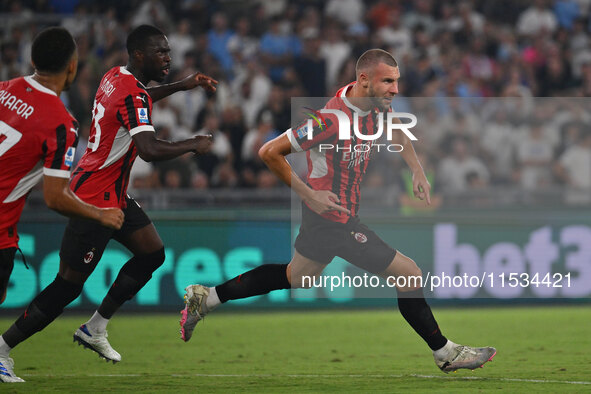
x: 324, y: 376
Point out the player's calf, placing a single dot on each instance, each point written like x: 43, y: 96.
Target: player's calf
x: 6, y: 265
x: 48, y: 305
x: 133, y: 276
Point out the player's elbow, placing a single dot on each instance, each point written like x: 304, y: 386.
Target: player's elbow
x: 53, y: 201
x: 267, y: 151
x: 147, y: 154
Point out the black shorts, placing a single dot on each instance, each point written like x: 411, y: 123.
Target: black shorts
x: 6, y: 265
x: 321, y: 240
x: 85, y: 240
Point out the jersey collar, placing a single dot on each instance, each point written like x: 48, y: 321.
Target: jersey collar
x: 123, y: 70
x: 349, y: 104
x: 38, y: 86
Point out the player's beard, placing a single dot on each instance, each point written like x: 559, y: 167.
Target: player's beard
x: 378, y: 100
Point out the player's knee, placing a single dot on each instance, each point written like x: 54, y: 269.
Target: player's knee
x: 416, y: 271
x: 5, y: 271
x: 411, y: 279
x: 142, y: 266
x: 156, y: 259
x: 54, y: 298
x: 302, y: 279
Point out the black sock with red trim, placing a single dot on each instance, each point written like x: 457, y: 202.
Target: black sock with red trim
x: 416, y: 311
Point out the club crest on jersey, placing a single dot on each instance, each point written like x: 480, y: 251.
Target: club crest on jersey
x: 360, y: 237
x: 69, y: 156
x: 89, y: 256
x: 142, y: 115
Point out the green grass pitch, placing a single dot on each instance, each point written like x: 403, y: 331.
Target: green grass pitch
x: 540, y: 349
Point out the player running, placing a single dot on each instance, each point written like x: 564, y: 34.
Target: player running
x: 330, y: 226
x: 121, y: 129
x: 38, y: 138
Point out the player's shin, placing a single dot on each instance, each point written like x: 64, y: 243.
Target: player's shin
x: 261, y: 280
x: 48, y: 305
x: 417, y: 313
x: 133, y: 276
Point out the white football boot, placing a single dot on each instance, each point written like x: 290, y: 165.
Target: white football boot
x: 465, y: 357
x: 195, y: 309
x: 6, y: 373
x: 96, y: 342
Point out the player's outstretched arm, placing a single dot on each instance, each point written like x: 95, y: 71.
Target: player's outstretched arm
x: 420, y: 184
x: 188, y: 83
x: 151, y: 148
x: 60, y: 198
x: 273, y: 154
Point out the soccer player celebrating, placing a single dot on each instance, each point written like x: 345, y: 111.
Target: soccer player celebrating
x: 330, y: 226
x: 38, y: 138
x: 121, y: 129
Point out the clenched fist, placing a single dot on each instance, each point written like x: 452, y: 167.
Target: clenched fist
x: 111, y: 217
x: 202, y: 143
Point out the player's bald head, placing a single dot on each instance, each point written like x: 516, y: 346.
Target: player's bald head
x: 372, y: 58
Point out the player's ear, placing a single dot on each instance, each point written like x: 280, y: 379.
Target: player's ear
x: 73, y: 65
x: 138, y: 56
x: 72, y: 68
x: 363, y: 80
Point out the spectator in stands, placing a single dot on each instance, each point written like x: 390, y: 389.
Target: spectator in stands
x: 574, y: 170
x: 346, y: 12
x: 278, y: 48
x: 181, y: 42
x: 455, y: 168
x: 221, y: 150
x: 534, y: 156
x: 310, y: 66
x: 335, y: 52
x: 242, y: 46
x: 537, y: 19
x: 217, y: 41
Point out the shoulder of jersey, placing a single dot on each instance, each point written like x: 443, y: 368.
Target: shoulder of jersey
x: 46, y: 102
x: 120, y: 77
x: 337, y: 101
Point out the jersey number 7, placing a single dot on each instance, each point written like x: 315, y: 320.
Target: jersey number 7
x: 8, y: 137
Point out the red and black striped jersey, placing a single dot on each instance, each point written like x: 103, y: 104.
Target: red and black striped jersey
x: 38, y: 136
x: 122, y: 108
x: 334, y: 164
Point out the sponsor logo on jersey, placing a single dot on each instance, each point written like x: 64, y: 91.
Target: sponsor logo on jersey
x: 142, y: 115
x: 69, y: 157
x: 361, y: 238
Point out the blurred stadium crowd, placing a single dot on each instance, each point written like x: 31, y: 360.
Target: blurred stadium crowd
x: 265, y: 52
